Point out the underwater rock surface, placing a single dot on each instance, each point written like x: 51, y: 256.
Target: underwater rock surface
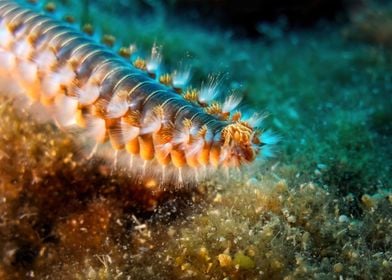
x: 321, y: 209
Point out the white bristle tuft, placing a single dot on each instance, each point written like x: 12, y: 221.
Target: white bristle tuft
x: 5, y: 36
x: 132, y: 49
x: 155, y: 59
x: 256, y: 119
x: 51, y: 85
x: 231, y: 102
x: 180, y: 78
x: 181, y: 136
x: 67, y: 74
x: 87, y: 94
x: 195, y: 147
x: 224, y: 154
x: 129, y: 132
x: 151, y: 125
x: 27, y: 71
x: 22, y: 49
x: 44, y: 60
x: 165, y: 148
x: 65, y: 110
x: 118, y: 105
x: 7, y: 60
x: 96, y: 128
x: 210, y: 91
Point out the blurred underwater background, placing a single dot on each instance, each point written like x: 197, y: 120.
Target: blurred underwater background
x: 321, y: 208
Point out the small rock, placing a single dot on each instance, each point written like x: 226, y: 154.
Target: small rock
x: 243, y: 261
x: 343, y: 219
x: 224, y: 260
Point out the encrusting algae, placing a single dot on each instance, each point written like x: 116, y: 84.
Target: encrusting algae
x: 321, y: 210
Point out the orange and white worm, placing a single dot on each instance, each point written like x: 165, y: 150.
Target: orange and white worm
x: 82, y: 83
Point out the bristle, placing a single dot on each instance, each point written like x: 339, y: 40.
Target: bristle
x: 5, y: 36
x: 44, y: 60
x: 51, y: 85
x: 28, y: 70
x: 255, y: 120
x: 7, y: 61
x: 164, y: 149
x: 129, y: 132
x: 180, y: 78
x: 54, y: 82
x: 182, y: 135
x: 269, y: 137
x: 153, y: 121
x: 96, y: 129
x: 87, y: 94
x: 118, y: 105
x: 155, y: 59
x: 231, y: 102
x: 210, y: 90
x: 22, y: 49
x: 195, y: 147
x: 65, y: 110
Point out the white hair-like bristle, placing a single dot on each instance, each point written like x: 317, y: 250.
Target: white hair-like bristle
x: 151, y: 124
x: 210, y: 90
x: 65, y: 110
x: 155, y: 59
x: 22, y: 49
x: 5, y: 36
x: 224, y: 154
x: 256, y: 119
x: 44, y: 60
x: 181, y: 136
x: 117, y: 106
x: 96, y: 129
x: 180, y: 78
x: 231, y: 102
x: 87, y: 94
x: 51, y: 83
x: 165, y: 149
x: 28, y: 70
x: 195, y: 147
x: 7, y: 60
x: 128, y: 131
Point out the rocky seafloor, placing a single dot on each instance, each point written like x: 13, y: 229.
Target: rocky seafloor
x: 320, y: 209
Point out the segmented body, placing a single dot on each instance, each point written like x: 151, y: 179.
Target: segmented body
x: 83, y: 83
